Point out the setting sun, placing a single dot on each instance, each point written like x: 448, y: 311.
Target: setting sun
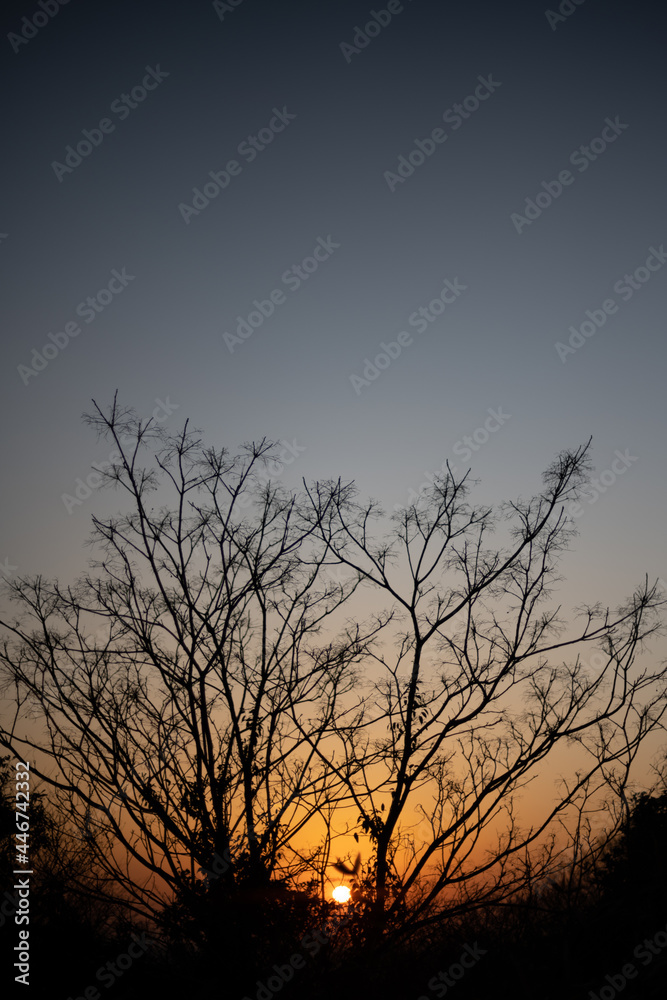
x: 341, y: 894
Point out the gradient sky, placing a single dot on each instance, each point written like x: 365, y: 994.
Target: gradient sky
x: 323, y: 176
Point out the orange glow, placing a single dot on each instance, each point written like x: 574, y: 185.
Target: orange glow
x: 341, y: 894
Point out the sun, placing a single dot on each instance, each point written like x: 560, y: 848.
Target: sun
x: 341, y: 894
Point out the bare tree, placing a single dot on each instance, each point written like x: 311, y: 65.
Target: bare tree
x: 475, y: 690
x: 197, y: 706
x: 179, y: 697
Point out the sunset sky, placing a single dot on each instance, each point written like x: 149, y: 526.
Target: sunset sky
x: 358, y: 182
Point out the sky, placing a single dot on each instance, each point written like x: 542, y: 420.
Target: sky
x: 499, y: 167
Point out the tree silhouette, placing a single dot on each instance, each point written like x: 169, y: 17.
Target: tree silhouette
x: 63, y: 891
x: 633, y: 874
x: 197, y: 705
x: 172, y: 685
x: 470, y: 693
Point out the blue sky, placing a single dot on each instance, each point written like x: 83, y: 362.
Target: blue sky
x: 319, y: 131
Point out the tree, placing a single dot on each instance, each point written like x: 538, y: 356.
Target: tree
x: 174, y: 687
x: 62, y: 888
x: 206, y: 722
x: 634, y: 873
x: 473, y: 640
